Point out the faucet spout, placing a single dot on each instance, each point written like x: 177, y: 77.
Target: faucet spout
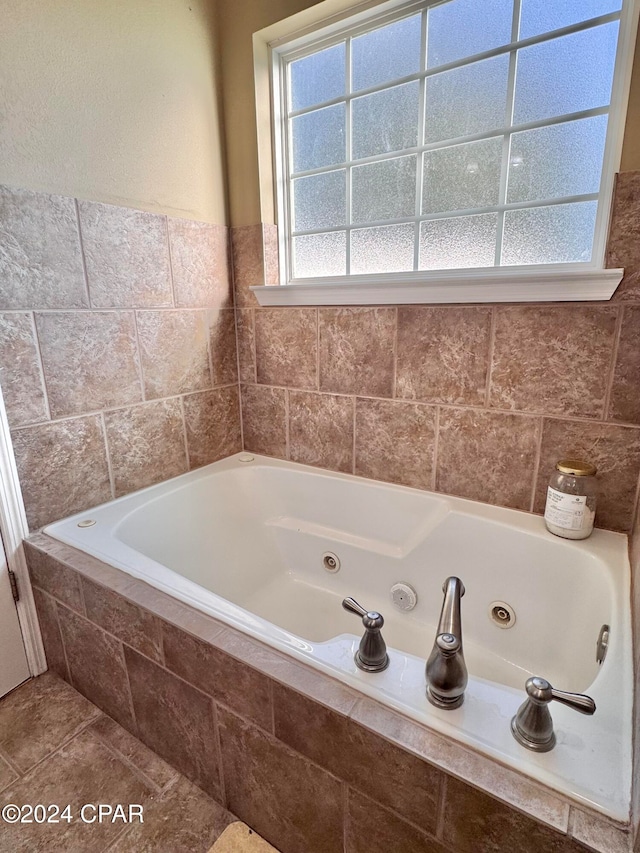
x: 446, y: 670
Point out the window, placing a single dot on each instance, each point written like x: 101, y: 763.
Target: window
x: 440, y: 142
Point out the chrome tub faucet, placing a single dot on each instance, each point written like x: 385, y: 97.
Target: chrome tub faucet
x: 446, y: 670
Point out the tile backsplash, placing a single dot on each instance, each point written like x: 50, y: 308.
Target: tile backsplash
x: 117, y: 348
x: 475, y: 401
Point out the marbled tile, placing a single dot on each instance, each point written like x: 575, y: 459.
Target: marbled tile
x: 174, y: 352
x: 157, y: 772
x: 241, y: 687
x: 615, y: 450
x: 83, y: 771
x: 38, y: 718
x: 321, y: 430
x: 176, y: 721
x: 50, y: 631
x: 443, y: 354
x: 182, y: 820
x: 367, y: 820
x: 96, y: 665
x: 127, y: 256
x: 264, y: 420
x: 146, y: 444
x: 247, y: 253
x: 137, y: 627
x: 41, y: 261
x: 623, y: 249
x: 20, y: 372
x: 552, y: 359
x: 245, y: 325
x: 212, y: 421
x: 625, y: 393
x: 395, y: 442
x: 476, y: 823
x: 487, y: 456
x: 200, y: 264
x: 270, y: 250
x: 222, y: 344
x: 406, y: 784
x: 287, y: 346
x: 54, y: 577
x: 7, y: 774
x: 62, y: 468
x: 357, y: 350
x: 90, y: 360
x: 293, y: 804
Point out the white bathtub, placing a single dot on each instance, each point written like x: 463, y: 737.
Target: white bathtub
x: 243, y: 540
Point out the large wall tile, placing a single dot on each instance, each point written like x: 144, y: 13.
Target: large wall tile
x: 615, y: 450
x: 367, y: 819
x: 395, y: 442
x: 90, y: 360
x: 127, y: 256
x: 176, y: 721
x: 487, y: 456
x: 357, y: 350
x: 293, y: 804
x: 20, y: 372
x: 321, y: 430
x: 62, y: 467
x: 222, y: 343
x: 241, y: 687
x: 41, y: 261
x: 174, y: 352
x: 97, y: 666
x: 287, y: 346
x: 247, y: 253
x: 264, y: 420
x: 146, y: 444
x: 443, y: 354
x: 625, y: 394
x: 351, y: 752
x: 200, y: 264
x: 552, y: 359
x: 54, y: 577
x: 623, y: 249
x: 212, y: 421
x: 50, y: 630
x: 245, y: 323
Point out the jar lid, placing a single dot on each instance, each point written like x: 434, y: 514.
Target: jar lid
x: 576, y: 467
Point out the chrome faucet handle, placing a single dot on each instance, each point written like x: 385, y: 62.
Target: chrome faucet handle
x: 372, y: 653
x: 532, y: 725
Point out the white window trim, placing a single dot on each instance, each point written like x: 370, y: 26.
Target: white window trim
x: 558, y: 282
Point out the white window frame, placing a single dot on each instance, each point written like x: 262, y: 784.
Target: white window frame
x: 530, y: 283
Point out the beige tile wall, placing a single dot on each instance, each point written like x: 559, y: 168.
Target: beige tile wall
x: 117, y: 348
x: 475, y: 401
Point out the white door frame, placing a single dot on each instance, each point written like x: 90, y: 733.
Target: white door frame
x: 14, y: 528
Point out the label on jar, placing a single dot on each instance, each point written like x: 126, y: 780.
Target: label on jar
x: 567, y: 511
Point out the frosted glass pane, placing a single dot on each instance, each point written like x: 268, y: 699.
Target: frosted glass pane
x: 319, y: 201
x: 549, y: 235
x: 316, y: 255
x: 542, y: 16
x: 385, y: 190
x: 387, y: 249
x: 386, y: 54
x: 464, y: 27
x: 459, y: 242
x: 318, y: 138
x: 467, y: 100
x: 462, y: 176
x: 556, y: 161
x: 566, y: 75
x: 317, y: 78
x: 386, y: 121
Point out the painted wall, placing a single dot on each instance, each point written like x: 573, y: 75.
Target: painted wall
x: 115, y: 102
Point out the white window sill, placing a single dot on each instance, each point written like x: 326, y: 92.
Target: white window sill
x: 450, y: 286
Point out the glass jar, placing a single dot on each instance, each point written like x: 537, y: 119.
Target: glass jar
x: 571, y: 499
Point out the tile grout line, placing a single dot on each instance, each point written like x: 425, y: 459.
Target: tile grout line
x: 611, y: 373
x: 216, y: 728
x: 287, y: 423
x: 183, y: 417
x: 170, y: 258
x: 36, y: 340
x: 354, y: 446
x: 436, y: 447
x: 143, y: 388
x: 317, y: 388
x: 442, y: 800
x: 536, y: 463
x: 126, y: 760
x: 83, y: 256
x: 112, y: 481
x: 394, y: 378
x: 492, y: 339
x: 254, y: 350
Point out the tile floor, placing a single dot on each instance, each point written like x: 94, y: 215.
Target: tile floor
x: 58, y: 748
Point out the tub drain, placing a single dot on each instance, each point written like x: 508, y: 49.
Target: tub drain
x: 331, y: 561
x: 502, y: 614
